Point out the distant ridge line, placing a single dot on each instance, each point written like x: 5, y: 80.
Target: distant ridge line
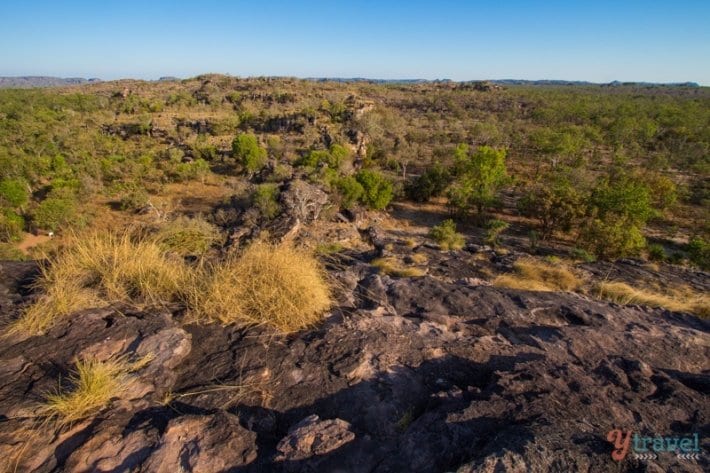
x: 26, y: 82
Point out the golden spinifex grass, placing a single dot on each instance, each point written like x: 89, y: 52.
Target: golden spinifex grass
x: 187, y: 236
x: 535, y: 275
x: 276, y: 285
x: 679, y: 299
x: 100, y: 269
x: 94, y: 384
x: 393, y: 267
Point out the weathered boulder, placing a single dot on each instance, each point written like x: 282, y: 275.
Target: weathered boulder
x: 313, y: 436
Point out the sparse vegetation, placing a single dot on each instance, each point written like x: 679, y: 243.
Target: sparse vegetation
x: 679, y: 300
x: 446, y: 236
x: 94, y: 384
x: 535, y: 275
x: 393, y: 267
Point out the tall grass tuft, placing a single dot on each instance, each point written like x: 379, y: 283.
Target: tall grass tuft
x: 100, y: 269
x: 276, y: 285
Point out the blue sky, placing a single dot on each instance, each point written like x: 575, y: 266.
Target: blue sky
x: 461, y: 40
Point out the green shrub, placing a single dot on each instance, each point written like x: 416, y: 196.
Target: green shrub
x: 583, y: 255
x: 378, y: 190
x: 446, y: 236
x: 432, y: 183
x: 350, y: 190
x: 11, y: 226
x: 494, y: 228
x: 14, y: 192
x: 265, y: 198
x: 656, y: 252
x: 615, y: 239
x: 478, y: 179
x: 333, y: 157
x: 54, y: 212
x: 247, y: 151
x: 134, y: 199
x: 699, y: 252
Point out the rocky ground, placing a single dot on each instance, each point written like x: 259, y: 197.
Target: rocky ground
x: 417, y: 374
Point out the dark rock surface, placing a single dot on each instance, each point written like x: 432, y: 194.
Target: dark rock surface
x: 407, y: 375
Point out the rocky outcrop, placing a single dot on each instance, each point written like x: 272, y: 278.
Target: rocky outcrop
x: 416, y: 374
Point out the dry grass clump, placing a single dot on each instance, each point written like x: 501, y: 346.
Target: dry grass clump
x: 94, y: 384
x: 393, y: 267
x: 535, y: 275
x: 187, y: 236
x: 276, y: 285
x: 100, y: 269
x: 679, y: 300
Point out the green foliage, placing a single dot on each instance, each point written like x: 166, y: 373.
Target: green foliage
x: 556, y: 204
x: 11, y: 226
x: 248, y: 152
x: 378, y: 190
x: 493, y: 230
x: 446, y: 236
x: 135, y: 198
x: 582, y: 255
x: 612, y: 239
x: 9, y: 252
x: 431, y: 183
x: 350, y: 191
x: 265, y: 198
x: 54, y: 212
x: 699, y: 252
x: 656, y: 252
x: 333, y: 158
x: 13, y: 192
x: 619, y: 207
x: 479, y: 177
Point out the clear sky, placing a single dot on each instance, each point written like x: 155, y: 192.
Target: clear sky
x: 660, y: 41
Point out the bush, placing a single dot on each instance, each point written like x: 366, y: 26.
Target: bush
x: 494, y: 228
x: 54, y: 212
x: 279, y: 286
x: 247, y: 151
x: 187, y: 236
x: 656, y: 252
x: 135, y: 199
x: 478, y: 179
x: 432, y: 183
x: 265, y: 198
x: 350, y: 190
x: 378, y: 190
x: 333, y: 158
x: 100, y: 269
x: 556, y: 205
x: 612, y: 239
x: 446, y: 236
x: 11, y: 226
x: 582, y: 255
x: 14, y: 192
x: 699, y: 252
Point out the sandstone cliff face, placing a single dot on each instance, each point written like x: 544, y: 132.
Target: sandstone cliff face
x: 417, y: 375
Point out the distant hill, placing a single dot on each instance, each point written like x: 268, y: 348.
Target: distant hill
x: 28, y: 82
